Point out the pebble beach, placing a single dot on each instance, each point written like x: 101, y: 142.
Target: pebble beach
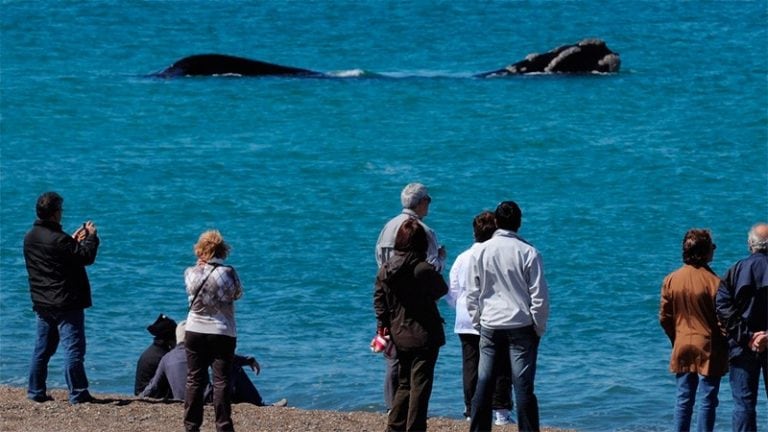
x: 122, y: 413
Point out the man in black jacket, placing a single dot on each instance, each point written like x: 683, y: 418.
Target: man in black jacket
x: 60, y: 293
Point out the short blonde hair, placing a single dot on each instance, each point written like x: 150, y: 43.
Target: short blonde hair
x: 211, y: 245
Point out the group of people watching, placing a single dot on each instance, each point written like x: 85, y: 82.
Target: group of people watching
x: 178, y: 365
x: 717, y: 326
x: 501, y: 298
x: 502, y: 306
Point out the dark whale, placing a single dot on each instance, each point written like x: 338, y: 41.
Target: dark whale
x: 220, y: 64
x: 587, y: 56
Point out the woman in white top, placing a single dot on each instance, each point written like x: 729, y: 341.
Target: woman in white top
x: 483, y: 226
x: 210, y: 341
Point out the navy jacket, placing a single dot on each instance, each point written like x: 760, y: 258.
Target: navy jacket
x: 56, y: 267
x: 742, y: 302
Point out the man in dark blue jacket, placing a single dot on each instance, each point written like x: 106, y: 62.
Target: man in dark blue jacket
x: 742, y: 308
x: 60, y: 294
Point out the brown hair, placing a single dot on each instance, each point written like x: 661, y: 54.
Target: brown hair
x: 484, y: 225
x: 211, y: 245
x: 411, y: 237
x: 697, y: 247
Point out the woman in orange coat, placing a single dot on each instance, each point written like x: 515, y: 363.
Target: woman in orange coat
x: 699, y: 351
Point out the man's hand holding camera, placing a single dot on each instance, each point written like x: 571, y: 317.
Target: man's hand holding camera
x: 85, y: 230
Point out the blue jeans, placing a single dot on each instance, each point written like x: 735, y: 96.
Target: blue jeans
x: 708, y: 388
x: 69, y: 328
x: 522, y: 347
x: 745, y: 380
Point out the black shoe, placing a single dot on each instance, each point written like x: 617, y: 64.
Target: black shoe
x: 85, y: 399
x: 41, y: 399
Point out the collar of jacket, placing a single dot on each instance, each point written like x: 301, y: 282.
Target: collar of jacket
x: 411, y: 213
x: 48, y: 224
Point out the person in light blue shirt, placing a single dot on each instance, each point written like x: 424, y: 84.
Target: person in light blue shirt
x: 508, y: 301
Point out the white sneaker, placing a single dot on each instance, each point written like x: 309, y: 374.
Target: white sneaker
x: 501, y: 417
x: 281, y: 403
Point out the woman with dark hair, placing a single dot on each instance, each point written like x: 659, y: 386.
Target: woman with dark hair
x: 687, y: 314
x: 210, y: 338
x: 405, y: 302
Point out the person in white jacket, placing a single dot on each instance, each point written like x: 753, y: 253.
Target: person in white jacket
x: 483, y: 226
x: 508, y: 302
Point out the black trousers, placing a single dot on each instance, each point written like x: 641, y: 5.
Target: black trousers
x: 470, y: 358
x: 204, y: 351
x: 414, y: 388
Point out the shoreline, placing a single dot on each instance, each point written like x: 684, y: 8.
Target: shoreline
x: 127, y: 413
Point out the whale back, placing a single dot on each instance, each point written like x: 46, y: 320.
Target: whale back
x: 220, y: 64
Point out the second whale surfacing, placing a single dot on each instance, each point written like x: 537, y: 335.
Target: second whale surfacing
x: 586, y: 56
x: 222, y: 65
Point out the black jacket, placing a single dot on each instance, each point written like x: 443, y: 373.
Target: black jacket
x: 405, y: 302
x: 147, y: 365
x: 56, y: 267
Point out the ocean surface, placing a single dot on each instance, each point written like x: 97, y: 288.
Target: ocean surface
x: 301, y: 174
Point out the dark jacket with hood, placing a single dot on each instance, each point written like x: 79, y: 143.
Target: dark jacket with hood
x: 405, y: 302
x: 56, y: 267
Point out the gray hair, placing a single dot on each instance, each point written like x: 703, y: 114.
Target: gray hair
x: 412, y: 195
x: 757, y: 239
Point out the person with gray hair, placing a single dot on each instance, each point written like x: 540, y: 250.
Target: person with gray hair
x: 415, y: 200
x: 742, y: 308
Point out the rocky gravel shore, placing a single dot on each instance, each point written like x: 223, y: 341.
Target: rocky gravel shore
x: 121, y: 413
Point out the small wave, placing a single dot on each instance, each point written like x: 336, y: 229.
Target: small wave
x: 351, y: 73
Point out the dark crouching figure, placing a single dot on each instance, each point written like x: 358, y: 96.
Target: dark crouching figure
x: 164, y: 331
x: 172, y: 373
x: 405, y: 302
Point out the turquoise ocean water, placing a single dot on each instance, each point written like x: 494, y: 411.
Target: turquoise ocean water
x: 300, y: 175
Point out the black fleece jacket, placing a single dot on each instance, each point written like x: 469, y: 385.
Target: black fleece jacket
x: 56, y: 267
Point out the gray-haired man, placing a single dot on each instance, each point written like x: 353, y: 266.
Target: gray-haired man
x: 415, y: 200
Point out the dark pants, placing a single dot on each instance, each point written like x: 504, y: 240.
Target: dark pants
x: 521, y: 345
x: 745, y: 371
x: 414, y: 388
x: 390, y: 378
x: 470, y: 358
x: 204, y: 351
x: 242, y: 389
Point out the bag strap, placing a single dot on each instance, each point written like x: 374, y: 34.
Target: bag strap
x: 200, y: 287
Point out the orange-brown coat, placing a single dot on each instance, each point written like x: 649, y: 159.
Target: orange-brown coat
x: 687, y: 315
